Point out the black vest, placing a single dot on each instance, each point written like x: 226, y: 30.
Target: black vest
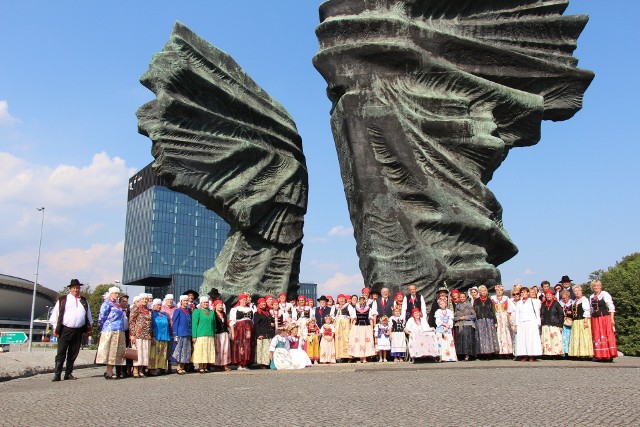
x: 320, y: 313
x: 362, y: 319
x: 598, y: 307
x: 240, y: 315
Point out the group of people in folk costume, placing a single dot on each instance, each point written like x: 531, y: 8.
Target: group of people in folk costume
x: 282, y: 334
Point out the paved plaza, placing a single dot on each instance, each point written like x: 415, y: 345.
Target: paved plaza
x: 481, y: 393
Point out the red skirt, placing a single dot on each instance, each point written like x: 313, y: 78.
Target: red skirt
x: 243, y: 345
x: 604, y: 339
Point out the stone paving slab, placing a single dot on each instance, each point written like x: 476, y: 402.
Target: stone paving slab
x: 20, y: 364
x: 480, y: 393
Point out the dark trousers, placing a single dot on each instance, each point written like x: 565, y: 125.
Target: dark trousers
x: 68, y: 348
x: 121, y: 370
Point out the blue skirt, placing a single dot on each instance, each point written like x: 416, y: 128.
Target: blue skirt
x: 182, y: 350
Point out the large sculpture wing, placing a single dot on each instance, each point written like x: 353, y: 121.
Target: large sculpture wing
x: 221, y: 139
x: 429, y: 97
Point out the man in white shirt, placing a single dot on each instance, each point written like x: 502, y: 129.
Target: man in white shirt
x: 70, y: 320
x: 411, y: 301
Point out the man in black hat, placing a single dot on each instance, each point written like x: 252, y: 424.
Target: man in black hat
x: 566, y: 286
x: 70, y: 320
x: 321, y: 311
x: 193, y: 296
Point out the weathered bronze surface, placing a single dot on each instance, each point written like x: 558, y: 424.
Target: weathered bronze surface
x: 428, y: 98
x: 221, y: 139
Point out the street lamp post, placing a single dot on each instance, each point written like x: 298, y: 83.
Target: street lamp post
x: 35, y: 284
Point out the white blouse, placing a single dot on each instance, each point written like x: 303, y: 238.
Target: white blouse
x: 337, y: 312
x: 234, y: 310
x: 423, y: 326
x: 528, y: 311
x: 441, y: 314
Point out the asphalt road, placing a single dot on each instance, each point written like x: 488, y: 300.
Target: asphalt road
x: 480, y: 393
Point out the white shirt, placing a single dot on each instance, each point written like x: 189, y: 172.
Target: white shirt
x: 528, y: 311
x: 337, y: 312
x: 423, y: 306
x: 74, y: 313
x: 286, y: 310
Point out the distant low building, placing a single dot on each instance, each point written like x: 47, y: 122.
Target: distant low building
x: 170, y: 238
x: 16, y: 295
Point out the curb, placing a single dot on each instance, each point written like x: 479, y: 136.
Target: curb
x: 30, y: 372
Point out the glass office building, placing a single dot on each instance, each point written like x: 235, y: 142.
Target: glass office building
x: 170, y: 238
x: 309, y: 290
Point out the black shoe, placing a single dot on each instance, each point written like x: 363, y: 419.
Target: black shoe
x: 56, y: 377
x: 69, y: 377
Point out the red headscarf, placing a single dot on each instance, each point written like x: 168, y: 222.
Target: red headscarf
x: 260, y: 310
x: 240, y: 298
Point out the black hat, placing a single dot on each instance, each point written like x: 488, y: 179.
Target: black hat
x: 322, y: 298
x: 565, y: 279
x: 213, y: 293
x: 191, y: 291
x: 75, y: 282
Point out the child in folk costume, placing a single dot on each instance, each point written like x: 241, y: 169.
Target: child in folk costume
x: 313, y: 341
x: 327, y: 343
x: 223, y: 346
x: 279, y: 350
x: 299, y: 357
x: 444, y: 332
x: 382, y: 336
x: 398, y: 337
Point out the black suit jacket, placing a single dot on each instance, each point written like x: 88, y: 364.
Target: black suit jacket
x: 320, y: 313
x: 387, y: 310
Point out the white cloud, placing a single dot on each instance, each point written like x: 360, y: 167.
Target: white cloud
x: 528, y: 272
x: 324, y: 266
x: 65, y: 186
x: 340, y: 230
x: 99, y: 263
x: 342, y: 283
x: 5, y: 117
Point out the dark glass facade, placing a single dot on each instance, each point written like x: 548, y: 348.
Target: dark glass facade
x: 309, y: 290
x: 170, y: 238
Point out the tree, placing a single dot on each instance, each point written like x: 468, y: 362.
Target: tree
x: 622, y: 281
x: 96, y: 298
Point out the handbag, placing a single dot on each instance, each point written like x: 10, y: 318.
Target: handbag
x: 568, y: 321
x: 131, y: 353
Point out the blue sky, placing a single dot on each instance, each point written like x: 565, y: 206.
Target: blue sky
x: 69, y: 90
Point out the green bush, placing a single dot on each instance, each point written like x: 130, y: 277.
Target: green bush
x: 622, y: 281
